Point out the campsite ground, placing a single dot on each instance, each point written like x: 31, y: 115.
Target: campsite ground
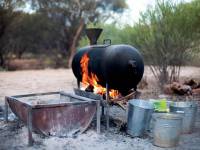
x: 13, y: 135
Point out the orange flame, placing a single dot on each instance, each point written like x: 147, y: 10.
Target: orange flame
x: 84, y: 66
x: 92, y: 79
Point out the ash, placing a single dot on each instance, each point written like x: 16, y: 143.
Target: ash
x: 13, y: 136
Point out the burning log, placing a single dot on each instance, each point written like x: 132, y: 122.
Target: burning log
x: 123, y: 101
x: 90, y: 88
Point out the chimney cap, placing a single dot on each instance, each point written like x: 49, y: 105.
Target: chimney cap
x: 93, y: 34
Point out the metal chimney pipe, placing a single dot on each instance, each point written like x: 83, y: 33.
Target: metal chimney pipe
x: 93, y: 34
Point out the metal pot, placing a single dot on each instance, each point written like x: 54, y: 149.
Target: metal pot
x: 119, y: 66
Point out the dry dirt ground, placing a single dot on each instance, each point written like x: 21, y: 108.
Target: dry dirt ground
x: 13, y: 135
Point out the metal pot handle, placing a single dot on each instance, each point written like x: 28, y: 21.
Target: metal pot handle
x: 107, y: 41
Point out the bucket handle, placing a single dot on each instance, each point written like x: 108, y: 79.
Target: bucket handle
x: 180, y: 111
x: 168, y: 126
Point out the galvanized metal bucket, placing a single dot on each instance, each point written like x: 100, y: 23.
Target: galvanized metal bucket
x: 167, y: 130
x: 139, y: 116
x: 190, y: 110
x: 156, y: 115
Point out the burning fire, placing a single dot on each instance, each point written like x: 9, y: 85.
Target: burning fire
x: 90, y: 79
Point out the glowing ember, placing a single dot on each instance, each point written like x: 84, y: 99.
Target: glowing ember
x: 92, y: 79
x: 114, y: 93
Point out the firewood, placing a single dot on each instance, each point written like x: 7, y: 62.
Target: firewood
x: 123, y: 101
x: 121, y: 104
x: 167, y: 89
x: 127, y: 97
x: 192, y: 83
x: 196, y: 91
x: 181, y: 89
x: 177, y: 88
x: 90, y: 88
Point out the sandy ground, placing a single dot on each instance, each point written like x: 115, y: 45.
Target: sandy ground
x: 13, y: 135
x: 35, y: 81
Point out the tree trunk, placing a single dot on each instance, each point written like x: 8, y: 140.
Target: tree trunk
x: 74, y: 42
x: 163, y: 77
x: 1, y: 61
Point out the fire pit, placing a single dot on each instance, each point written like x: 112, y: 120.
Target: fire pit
x: 54, y: 113
x: 112, y: 71
x: 116, y: 68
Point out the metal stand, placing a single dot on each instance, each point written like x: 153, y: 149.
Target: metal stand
x: 29, y: 124
x: 102, y: 111
x: 98, y: 117
x: 78, y: 84
x: 6, y: 110
x: 107, y: 107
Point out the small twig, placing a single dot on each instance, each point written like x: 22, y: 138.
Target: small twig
x: 124, y: 98
x: 121, y: 105
x: 122, y: 102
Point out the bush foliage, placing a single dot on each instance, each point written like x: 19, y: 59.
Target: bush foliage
x: 167, y: 34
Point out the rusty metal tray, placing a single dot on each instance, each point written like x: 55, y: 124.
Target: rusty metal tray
x: 53, y: 113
